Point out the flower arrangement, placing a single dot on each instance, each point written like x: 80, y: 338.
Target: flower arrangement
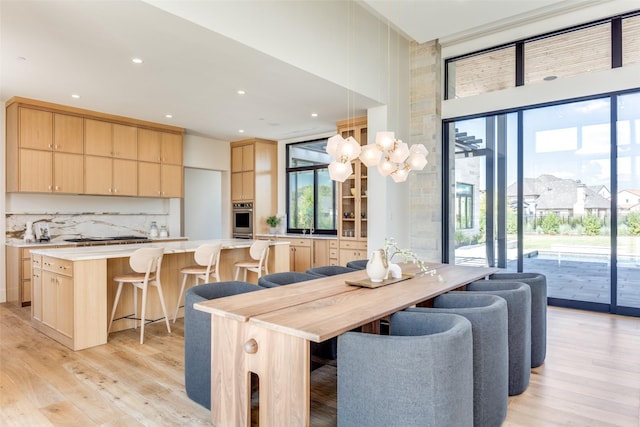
x: 391, y: 249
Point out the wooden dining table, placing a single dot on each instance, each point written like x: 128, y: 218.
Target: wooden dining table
x: 268, y: 333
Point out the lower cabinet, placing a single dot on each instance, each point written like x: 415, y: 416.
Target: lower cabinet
x: 305, y: 253
x: 66, y: 301
x: 352, y: 250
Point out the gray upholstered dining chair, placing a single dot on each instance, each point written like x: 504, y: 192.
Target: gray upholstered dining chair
x: 420, y: 375
x: 284, y: 278
x: 537, y: 283
x: 197, y: 336
x: 518, y: 298
x: 359, y: 264
x: 488, y: 317
x: 329, y: 270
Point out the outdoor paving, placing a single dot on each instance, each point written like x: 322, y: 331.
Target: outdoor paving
x: 575, y: 280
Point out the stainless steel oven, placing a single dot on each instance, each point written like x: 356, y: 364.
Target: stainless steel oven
x: 242, y: 220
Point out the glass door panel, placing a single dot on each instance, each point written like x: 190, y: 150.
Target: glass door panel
x: 628, y: 212
x: 567, y: 199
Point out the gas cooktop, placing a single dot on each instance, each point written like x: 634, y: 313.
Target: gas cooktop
x: 107, y: 239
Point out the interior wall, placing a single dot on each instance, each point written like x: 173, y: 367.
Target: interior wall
x: 202, y: 204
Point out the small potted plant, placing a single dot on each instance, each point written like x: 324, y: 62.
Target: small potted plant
x: 273, y: 222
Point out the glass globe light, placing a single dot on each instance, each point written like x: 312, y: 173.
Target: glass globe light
x: 400, y: 152
x: 370, y: 155
x: 340, y: 171
x: 385, y: 139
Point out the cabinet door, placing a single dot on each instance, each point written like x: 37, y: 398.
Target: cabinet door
x: 171, y: 180
x: 171, y: 148
x: 247, y: 186
x: 149, y: 179
x: 247, y: 157
x: 125, y: 177
x: 236, y: 159
x: 320, y: 253
x: 149, y: 143
x: 36, y: 291
x: 97, y: 175
x: 68, y: 133
x: 36, y: 129
x: 68, y: 172
x: 49, y: 295
x: 125, y: 142
x: 236, y: 186
x: 97, y: 138
x: 302, y: 258
x: 36, y: 171
x: 64, y: 305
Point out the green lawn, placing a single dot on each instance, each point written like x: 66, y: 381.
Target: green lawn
x: 626, y: 244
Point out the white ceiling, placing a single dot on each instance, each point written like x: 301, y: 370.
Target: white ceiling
x: 52, y: 49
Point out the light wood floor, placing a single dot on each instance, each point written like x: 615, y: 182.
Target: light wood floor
x: 591, y: 378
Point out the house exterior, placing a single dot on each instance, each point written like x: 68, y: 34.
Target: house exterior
x: 628, y: 201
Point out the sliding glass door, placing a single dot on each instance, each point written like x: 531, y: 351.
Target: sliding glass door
x: 628, y: 201
x: 554, y: 189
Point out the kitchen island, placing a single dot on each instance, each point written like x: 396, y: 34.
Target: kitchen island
x: 73, y: 289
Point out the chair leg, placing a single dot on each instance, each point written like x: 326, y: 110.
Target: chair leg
x: 235, y: 277
x: 184, y: 283
x: 245, y: 274
x: 144, y: 310
x: 135, y: 306
x: 164, y: 308
x: 115, y: 305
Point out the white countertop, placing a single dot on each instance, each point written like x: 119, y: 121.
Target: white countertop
x: 86, y: 253
x: 298, y: 236
x: 22, y: 244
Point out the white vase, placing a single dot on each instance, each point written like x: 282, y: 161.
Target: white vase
x: 395, y: 271
x: 377, y: 267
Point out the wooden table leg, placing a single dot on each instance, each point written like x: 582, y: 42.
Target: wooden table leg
x: 230, y: 378
x: 282, y: 364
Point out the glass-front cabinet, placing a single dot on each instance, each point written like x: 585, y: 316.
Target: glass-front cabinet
x: 352, y: 196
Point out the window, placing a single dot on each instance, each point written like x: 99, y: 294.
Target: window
x: 464, y: 206
x: 561, y: 54
x: 311, y: 201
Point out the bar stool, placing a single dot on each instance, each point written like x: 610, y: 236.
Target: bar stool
x: 259, y: 252
x: 207, y: 258
x: 146, y: 264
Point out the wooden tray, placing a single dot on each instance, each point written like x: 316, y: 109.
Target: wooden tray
x: 367, y: 283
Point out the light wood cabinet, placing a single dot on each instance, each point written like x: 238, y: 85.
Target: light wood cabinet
x: 333, y: 252
x: 307, y: 252
x: 254, y: 168
x: 159, y: 147
x: 352, y: 196
x: 49, y: 145
x: 320, y: 253
x: 36, y: 287
x: 70, y: 304
x: 106, y: 139
x: 109, y: 176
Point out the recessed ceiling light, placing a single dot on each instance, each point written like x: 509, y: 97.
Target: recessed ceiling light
x: 314, y: 114
x: 549, y: 78
x: 75, y: 96
x: 136, y: 61
x: 21, y: 58
x: 241, y: 92
x: 240, y: 130
x: 168, y: 116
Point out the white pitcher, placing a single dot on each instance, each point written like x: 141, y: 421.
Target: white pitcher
x: 377, y: 267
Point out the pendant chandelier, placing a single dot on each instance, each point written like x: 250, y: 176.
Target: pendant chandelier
x: 391, y: 156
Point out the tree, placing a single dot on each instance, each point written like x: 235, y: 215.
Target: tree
x: 633, y: 222
x: 592, y: 225
x: 550, y: 223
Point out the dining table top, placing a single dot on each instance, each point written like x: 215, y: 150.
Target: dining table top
x: 320, y: 309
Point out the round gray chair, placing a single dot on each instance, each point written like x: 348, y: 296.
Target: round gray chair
x: 329, y: 270
x: 359, y: 264
x: 518, y: 298
x: 488, y: 317
x: 197, y: 336
x: 420, y: 375
x: 274, y: 280
x: 538, y: 284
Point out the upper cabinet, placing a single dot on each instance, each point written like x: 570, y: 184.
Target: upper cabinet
x: 254, y: 168
x: 55, y: 148
x: 353, y: 192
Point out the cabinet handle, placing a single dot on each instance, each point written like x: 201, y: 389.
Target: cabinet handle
x: 109, y: 190
x: 49, y: 146
x: 57, y: 188
x: 49, y: 187
x: 56, y: 146
x: 115, y: 190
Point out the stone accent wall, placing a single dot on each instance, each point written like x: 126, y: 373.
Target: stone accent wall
x: 426, y: 128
